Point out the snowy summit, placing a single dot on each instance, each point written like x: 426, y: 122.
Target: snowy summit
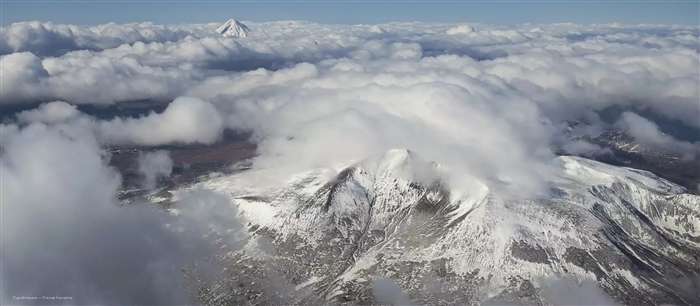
x: 233, y: 28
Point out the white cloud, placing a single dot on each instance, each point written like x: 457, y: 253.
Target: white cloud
x: 359, y: 92
x: 344, y: 115
x: 154, y: 165
x: 486, y: 104
x: 47, y: 38
x: 648, y: 133
x: 460, y: 29
x: 22, y: 77
x: 66, y: 235
x: 207, y: 215
x: 564, y: 64
x: 50, y: 113
x: 185, y: 121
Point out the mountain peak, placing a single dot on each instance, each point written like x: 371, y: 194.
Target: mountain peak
x: 377, y: 215
x: 402, y: 163
x: 233, y: 28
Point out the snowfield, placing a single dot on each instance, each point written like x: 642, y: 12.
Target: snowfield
x: 632, y: 233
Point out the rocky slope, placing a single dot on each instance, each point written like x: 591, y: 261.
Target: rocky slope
x: 325, y: 237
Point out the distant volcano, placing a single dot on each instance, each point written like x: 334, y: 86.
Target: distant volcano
x: 233, y: 28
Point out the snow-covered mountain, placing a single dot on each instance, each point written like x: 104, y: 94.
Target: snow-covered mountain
x: 233, y: 28
x: 618, y: 147
x: 631, y: 234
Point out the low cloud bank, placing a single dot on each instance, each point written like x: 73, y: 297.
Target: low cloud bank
x: 186, y: 120
x: 66, y: 235
x: 647, y: 133
x: 47, y: 38
x: 487, y: 102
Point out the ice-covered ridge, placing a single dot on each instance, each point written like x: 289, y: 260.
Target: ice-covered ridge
x: 588, y: 172
x: 616, y: 226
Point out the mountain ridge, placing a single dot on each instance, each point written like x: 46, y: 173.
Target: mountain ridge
x: 628, y: 231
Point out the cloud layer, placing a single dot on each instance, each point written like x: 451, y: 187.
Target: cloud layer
x: 185, y: 121
x: 491, y: 103
x: 326, y: 95
x: 65, y: 235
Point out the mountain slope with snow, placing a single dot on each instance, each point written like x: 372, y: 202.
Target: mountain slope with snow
x: 632, y: 234
x: 233, y: 28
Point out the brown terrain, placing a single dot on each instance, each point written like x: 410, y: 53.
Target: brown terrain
x: 189, y: 161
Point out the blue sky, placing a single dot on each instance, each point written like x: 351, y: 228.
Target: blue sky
x: 498, y: 12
